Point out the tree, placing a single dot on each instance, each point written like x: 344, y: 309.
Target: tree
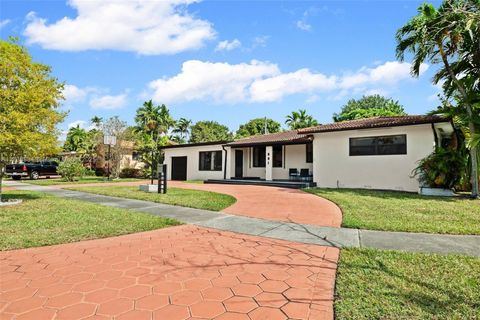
x: 205, y: 131
x: 29, y: 100
x: 152, y: 125
x: 124, y: 138
x: 182, y: 128
x: 76, y: 139
x: 369, y: 106
x: 96, y: 122
x: 258, y: 126
x: 298, y: 120
x: 449, y: 36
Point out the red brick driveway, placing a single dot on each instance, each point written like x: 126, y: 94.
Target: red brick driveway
x: 181, y: 272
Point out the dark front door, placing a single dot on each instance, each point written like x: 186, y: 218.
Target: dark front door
x: 238, y: 163
x: 179, y: 168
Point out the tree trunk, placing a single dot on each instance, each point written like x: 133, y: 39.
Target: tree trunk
x: 471, y: 126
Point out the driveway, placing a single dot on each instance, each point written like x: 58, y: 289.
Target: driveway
x: 271, y: 203
x: 183, y: 272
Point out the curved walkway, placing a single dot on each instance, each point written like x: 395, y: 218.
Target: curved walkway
x: 270, y: 203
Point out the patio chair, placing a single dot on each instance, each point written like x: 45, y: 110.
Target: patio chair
x: 293, y: 173
x: 305, y: 174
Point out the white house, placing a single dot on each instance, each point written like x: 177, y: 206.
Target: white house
x: 373, y: 153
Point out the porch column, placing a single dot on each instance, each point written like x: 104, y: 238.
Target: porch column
x: 269, y: 163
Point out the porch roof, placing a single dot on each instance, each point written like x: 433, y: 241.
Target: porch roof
x: 286, y: 137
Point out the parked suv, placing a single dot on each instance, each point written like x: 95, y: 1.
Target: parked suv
x: 33, y: 170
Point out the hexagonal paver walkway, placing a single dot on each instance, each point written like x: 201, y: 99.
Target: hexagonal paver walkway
x: 183, y: 272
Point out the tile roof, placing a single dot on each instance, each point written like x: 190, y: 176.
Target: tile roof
x: 374, y: 122
x: 286, y: 137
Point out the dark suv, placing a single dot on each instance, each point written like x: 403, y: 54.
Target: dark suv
x: 33, y: 170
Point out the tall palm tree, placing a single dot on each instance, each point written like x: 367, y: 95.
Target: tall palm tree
x: 438, y: 36
x: 298, y: 120
x: 96, y: 121
x: 182, y: 128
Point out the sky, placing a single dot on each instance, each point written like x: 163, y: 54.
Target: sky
x: 228, y: 61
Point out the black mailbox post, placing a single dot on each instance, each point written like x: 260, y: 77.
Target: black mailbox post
x: 162, y: 178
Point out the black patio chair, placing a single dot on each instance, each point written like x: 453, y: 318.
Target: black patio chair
x: 292, y: 173
x: 305, y: 174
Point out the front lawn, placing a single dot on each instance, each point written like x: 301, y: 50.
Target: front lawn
x: 401, y: 211
x: 375, y: 284
x: 56, y: 181
x: 175, y: 196
x: 46, y: 220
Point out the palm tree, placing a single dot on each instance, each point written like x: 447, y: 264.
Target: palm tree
x: 155, y: 122
x: 439, y: 35
x: 75, y: 140
x: 96, y: 121
x: 298, y: 120
x: 182, y: 128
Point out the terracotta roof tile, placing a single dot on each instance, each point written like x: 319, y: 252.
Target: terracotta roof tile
x: 374, y: 122
x: 280, y: 137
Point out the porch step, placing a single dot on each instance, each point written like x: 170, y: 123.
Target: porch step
x: 258, y: 182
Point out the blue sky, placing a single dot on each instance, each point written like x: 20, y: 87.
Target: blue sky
x: 228, y: 61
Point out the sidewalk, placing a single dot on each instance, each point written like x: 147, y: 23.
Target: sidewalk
x: 305, y: 233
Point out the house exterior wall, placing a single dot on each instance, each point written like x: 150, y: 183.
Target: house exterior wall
x: 192, y: 154
x: 334, y: 167
x: 295, y: 157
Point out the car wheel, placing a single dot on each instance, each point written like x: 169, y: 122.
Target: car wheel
x: 16, y: 177
x: 34, y: 175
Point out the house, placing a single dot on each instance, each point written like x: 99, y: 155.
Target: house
x: 372, y: 153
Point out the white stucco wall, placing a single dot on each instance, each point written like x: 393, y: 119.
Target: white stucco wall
x: 295, y: 157
x: 333, y: 167
x: 192, y: 154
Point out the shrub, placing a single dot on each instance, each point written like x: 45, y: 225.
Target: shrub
x: 71, y: 169
x: 131, y: 173
x: 89, y: 172
x: 100, y: 172
x: 443, y: 168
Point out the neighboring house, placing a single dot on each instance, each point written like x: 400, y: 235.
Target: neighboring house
x: 373, y: 153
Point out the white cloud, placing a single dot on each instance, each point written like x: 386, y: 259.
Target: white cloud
x: 4, y: 22
x: 73, y: 93
x: 80, y: 123
x: 260, y: 41
x: 259, y: 81
x: 228, y: 45
x: 221, y: 82
x: 109, y: 102
x: 303, y: 25
x: 145, y: 27
x: 301, y: 81
x: 389, y: 73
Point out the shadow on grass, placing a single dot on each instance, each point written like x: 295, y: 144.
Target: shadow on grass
x: 9, y: 195
x: 382, y: 194
x: 427, y: 296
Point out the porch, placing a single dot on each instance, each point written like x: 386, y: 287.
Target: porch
x: 280, y: 159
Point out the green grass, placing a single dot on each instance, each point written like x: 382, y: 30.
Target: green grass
x: 179, y: 197
x: 46, y: 220
x: 401, y: 211
x: 375, y: 284
x: 57, y: 181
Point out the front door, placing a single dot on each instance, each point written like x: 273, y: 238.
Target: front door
x: 179, y: 168
x: 238, y: 163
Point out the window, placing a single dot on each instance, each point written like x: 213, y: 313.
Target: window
x: 258, y: 157
x: 277, y: 156
x: 383, y: 145
x: 309, y: 148
x: 210, y: 161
